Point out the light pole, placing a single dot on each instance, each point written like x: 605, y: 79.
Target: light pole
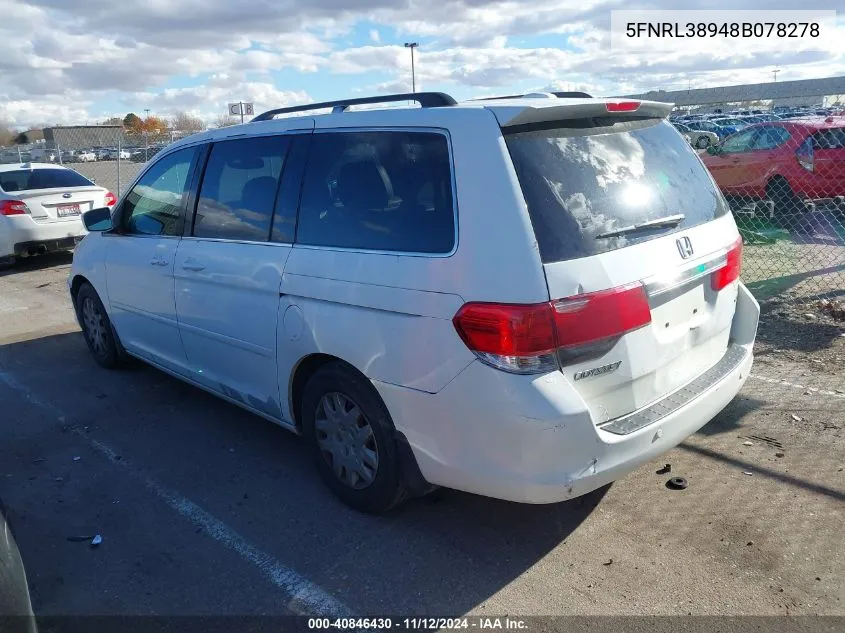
x: 775, y: 74
x: 412, y: 46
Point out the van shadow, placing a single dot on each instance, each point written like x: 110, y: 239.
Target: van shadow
x: 442, y: 554
x: 39, y: 262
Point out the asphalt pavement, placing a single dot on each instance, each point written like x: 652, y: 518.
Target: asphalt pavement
x: 205, y: 509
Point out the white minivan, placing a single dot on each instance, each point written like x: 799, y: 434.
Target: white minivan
x: 524, y: 298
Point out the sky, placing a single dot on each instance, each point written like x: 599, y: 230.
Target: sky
x: 82, y: 61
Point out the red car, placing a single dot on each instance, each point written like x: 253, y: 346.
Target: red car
x: 782, y: 161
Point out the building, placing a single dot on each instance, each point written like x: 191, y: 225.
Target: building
x: 811, y: 92
x: 84, y: 136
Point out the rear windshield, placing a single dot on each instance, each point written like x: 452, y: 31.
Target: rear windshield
x: 580, y: 183
x: 29, y: 179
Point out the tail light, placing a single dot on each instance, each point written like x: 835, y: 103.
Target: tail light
x: 730, y: 271
x: 13, y: 207
x: 804, y: 154
x: 111, y: 200
x: 536, y: 338
x: 622, y: 106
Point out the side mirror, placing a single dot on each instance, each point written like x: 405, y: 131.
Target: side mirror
x: 97, y: 220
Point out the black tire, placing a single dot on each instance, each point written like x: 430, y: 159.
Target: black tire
x: 703, y: 142
x: 97, y: 329
x: 387, y: 488
x: 790, y: 212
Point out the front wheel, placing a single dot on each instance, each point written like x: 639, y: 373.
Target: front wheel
x: 703, y: 142
x: 97, y: 328
x: 352, y: 439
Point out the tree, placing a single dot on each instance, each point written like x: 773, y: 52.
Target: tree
x: 184, y: 122
x: 224, y: 120
x: 153, y: 125
x: 7, y: 135
x: 115, y: 120
x: 132, y: 122
x: 22, y: 139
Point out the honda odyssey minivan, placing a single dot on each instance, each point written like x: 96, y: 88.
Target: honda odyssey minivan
x: 524, y: 298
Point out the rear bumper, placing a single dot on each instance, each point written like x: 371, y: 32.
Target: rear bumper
x: 531, y: 439
x: 23, y: 235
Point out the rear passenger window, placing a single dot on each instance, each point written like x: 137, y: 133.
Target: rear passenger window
x: 831, y: 138
x: 385, y: 191
x: 239, y: 187
x: 770, y: 138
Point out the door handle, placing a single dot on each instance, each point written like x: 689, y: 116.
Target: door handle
x: 192, y: 265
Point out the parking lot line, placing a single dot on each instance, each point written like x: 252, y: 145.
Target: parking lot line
x: 303, y: 596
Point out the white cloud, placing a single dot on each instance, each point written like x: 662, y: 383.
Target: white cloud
x: 64, y: 58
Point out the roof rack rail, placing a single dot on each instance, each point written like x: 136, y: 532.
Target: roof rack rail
x: 559, y: 95
x: 425, y: 99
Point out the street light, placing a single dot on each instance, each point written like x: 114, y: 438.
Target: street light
x: 146, y: 136
x: 775, y: 73
x: 412, y: 46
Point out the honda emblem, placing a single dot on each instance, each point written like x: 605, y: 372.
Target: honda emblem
x: 684, y: 247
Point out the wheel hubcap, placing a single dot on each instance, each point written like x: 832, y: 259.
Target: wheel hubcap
x: 346, y: 440
x: 95, y: 327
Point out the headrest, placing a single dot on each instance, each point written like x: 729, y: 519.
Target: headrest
x: 258, y: 190
x: 364, y: 185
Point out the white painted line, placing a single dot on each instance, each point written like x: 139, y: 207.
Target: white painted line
x: 777, y: 381
x: 303, y: 596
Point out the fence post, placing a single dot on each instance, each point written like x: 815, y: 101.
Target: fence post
x: 20, y: 160
x: 59, y: 153
x: 118, y: 165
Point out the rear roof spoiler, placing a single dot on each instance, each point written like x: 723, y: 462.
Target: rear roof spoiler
x: 543, y: 111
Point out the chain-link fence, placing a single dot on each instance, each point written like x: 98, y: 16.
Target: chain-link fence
x: 108, y: 155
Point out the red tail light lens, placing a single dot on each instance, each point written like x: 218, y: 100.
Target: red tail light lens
x: 507, y: 329
x: 527, y: 339
x: 13, y: 207
x: 805, y: 155
x: 730, y: 271
x: 111, y: 200
x: 601, y: 315
x: 623, y: 106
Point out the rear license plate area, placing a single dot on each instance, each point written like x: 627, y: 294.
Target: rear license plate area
x: 68, y: 210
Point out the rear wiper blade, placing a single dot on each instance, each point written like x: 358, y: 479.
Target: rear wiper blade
x: 658, y: 223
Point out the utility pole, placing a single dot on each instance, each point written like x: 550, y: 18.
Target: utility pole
x: 241, y: 108
x: 775, y: 74
x: 412, y: 46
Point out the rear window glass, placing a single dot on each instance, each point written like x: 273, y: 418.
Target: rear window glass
x: 581, y: 183
x: 29, y: 179
x: 831, y: 138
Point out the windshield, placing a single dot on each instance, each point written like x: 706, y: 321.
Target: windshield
x: 30, y: 179
x: 579, y: 184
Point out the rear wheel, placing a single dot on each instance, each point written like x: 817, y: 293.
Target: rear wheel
x: 703, y: 142
x: 351, y: 437
x: 789, y: 211
x: 97, y: 328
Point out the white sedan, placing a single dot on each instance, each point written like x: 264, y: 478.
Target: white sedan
x: 123, y: 154
x: 86, y: 156
x: 699, y: 139
x: 41, y: 205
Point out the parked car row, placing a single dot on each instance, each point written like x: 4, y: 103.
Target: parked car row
x: 86, y: 155
x: 785, y: 162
